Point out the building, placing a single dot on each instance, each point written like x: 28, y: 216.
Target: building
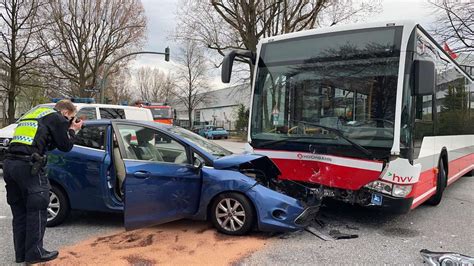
x: 466, y: 61
x: 219, y: 107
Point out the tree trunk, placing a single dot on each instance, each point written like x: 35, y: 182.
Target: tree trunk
x: 190, y: 116
x: 13, y: 70
x: 252, y: 69
x: 82, y: 85
x: 11, y: 103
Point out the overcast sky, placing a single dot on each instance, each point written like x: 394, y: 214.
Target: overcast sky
x: 161, y: 23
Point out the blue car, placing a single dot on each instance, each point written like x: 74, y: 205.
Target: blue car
x: 213, y: 132
x: 157, y: 173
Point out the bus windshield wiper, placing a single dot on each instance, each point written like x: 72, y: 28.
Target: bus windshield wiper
x: 278, y: 141
x: 339, y: 133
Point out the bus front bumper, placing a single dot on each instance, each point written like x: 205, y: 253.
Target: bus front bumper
x: 389, y: 203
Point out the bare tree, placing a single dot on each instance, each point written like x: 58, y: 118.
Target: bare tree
x: 236, y: 24
x: 84, y: 35
x: 20, y: 21
x: 192, y: 83
x: 154, y: 85
x: 120, y: 89
x: 455, y: 24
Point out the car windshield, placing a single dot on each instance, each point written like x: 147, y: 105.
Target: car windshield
x: 206, y: 145
x: 345, y: 81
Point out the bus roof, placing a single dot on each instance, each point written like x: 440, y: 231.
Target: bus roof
x: 358, y: 26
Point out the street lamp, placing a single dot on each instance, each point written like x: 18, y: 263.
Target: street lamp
x: 103, y: 82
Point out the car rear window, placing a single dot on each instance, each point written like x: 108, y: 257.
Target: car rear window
x: 112, y: 113
x: 87, y: 113
x: 92, y: 136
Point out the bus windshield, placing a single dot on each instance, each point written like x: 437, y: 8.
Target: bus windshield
x: 345, y: 81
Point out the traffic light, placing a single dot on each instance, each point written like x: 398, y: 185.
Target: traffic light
x: 167, y: 54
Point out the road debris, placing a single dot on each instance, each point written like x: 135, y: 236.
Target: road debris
x: 445, y: 258
x: 318, y: 233
x: 336, y: 234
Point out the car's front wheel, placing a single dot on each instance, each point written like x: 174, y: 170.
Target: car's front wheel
x: 232, y: 214
x: 58, y: 208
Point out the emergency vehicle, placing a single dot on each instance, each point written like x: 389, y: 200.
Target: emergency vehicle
x: 162, y: 113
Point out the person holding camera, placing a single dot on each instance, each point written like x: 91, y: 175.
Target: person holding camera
x: 38, y: 131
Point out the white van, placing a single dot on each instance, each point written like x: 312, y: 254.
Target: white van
x: 88, y: 112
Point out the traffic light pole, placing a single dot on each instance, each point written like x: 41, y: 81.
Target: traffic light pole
x: 103, y: 82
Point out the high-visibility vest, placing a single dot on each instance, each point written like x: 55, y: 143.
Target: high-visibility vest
x: 27, y: 127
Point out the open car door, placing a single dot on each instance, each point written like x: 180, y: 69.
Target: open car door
x: 158, y: 189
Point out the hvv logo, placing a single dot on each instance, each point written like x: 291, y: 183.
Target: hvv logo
x: 400, y: 179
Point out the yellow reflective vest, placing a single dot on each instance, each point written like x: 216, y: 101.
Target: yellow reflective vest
x: 27, y: 127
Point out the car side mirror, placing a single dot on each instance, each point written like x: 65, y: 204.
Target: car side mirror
x: 198, y: 163
x: 425, y: 76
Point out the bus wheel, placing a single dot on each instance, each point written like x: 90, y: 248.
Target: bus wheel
x: 441, y: 183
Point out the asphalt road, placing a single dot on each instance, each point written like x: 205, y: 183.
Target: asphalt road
x: 382, y: 238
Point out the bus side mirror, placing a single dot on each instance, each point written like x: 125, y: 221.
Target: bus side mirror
x: 425, y: 76
x: 228, y: 62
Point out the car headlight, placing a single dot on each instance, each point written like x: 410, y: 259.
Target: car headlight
x: 5, y: 142
x: 399, y: 191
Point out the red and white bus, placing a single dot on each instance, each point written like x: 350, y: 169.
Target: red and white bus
x: 377, y: 115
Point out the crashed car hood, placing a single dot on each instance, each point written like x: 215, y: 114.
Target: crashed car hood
x: 235, y: 161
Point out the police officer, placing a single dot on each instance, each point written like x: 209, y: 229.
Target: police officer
x: 27, y: 186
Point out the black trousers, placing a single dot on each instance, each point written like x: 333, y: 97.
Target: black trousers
x: 28, y: 197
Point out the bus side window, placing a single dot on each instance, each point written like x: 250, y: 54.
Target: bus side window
x: 424, y: 125
x: 424, y: 108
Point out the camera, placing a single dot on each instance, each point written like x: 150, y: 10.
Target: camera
x: 76, y: 120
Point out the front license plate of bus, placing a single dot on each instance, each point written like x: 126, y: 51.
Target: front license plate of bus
x: 376, y: 199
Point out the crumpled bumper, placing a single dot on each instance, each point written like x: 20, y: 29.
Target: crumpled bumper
x: 307, y: 216
x: 279, y: 212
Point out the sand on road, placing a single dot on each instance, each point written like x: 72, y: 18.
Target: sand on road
x: 178, y: 243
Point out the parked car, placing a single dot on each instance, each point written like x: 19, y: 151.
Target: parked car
x: 86, y: 112
x: 158, y: 173
x: 213, y: 132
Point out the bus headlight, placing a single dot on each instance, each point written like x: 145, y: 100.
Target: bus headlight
x: 401, y: 191
x: 380, y: 186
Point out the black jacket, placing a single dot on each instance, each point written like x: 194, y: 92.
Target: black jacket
x: 53, y: 132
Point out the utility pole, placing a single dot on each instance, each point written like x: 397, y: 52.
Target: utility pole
x: 103, y: 82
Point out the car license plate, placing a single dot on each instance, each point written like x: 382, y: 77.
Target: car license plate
x: 376, y: 199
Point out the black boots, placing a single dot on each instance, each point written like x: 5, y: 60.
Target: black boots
x: 47, y: 256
